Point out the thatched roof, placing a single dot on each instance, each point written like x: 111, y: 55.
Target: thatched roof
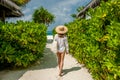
x: 9, y: 9
x: 92, y: 4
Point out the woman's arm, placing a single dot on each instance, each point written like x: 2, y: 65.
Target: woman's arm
x: 66, y: 45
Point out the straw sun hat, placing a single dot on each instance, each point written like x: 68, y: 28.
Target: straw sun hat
x: 61, y: 29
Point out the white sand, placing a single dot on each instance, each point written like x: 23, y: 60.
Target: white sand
x: 49, y: 71
x: 49, y: 37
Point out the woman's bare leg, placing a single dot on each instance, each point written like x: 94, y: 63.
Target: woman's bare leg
x: 61, y: 62
x: 59, y: 57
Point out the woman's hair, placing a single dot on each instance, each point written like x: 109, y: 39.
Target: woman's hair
x: 61, y: 35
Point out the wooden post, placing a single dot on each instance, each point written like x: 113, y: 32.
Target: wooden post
x: 3, y: 16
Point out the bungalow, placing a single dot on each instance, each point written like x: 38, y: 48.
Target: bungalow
x: 9, y: 9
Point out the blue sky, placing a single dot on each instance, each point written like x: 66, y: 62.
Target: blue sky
x: 62, y: 9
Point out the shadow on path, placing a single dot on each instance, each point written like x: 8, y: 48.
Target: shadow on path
x: 48, y: 61
x: 65, y: 71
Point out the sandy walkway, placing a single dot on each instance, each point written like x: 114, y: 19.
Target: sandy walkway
x: 72, y: 70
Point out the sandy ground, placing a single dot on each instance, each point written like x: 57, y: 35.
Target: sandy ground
x: 72, y: 70
x: 47, y: 69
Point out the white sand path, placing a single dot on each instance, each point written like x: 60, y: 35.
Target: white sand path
x: 72, y: 69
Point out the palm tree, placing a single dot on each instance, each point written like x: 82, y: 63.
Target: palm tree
x: 41, y: 15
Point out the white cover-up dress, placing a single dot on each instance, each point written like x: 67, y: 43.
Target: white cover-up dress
x: 62, y: 43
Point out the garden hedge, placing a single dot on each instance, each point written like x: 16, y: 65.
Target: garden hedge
x: 21, y: 43
x: 95, y: 42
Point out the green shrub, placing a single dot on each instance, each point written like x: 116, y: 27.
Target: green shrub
x: 21, y: 43
x: 96, y: 42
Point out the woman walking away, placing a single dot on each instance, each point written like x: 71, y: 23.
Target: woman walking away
x: 62, y: 45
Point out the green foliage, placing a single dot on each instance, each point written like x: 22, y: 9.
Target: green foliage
x: 20, y: 2
x: 41, y: 15
x: 96, y: 42
x: 21, y: 43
